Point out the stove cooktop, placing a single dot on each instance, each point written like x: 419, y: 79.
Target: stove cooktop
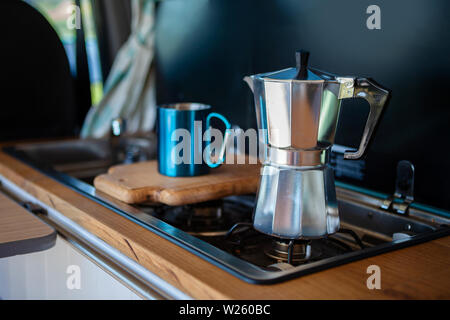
x: 221, y: 232
x: 226, y: 225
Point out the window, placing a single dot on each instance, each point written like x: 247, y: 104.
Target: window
x: 61, y: 14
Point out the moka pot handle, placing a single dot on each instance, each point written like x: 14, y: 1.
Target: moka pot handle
x: 377, y: 97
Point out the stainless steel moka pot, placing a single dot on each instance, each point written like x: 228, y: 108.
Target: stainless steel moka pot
x: 298, y: 110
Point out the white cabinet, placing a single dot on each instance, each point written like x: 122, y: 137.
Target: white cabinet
x: 55, y: 274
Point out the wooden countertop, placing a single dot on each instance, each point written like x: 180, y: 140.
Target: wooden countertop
x: 418, y: 272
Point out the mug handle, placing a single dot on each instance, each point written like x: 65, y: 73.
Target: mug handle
x: 225, y: 140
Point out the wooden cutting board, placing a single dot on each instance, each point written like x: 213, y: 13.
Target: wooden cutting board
x: 142, y: 183
x: 20, y: 231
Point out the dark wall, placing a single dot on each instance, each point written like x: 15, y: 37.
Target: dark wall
x: 204, y: 48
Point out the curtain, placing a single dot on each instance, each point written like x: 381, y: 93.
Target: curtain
x: 129, y: 91
x: 113, y: 24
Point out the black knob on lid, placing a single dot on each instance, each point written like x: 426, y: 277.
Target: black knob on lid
x: 301, y: 58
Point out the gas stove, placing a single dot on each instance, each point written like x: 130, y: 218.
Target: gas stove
x: 226, y: 224
x: 221, y: 231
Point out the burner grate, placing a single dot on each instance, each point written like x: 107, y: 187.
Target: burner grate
x: 243, y: 241
x: 206, y: 219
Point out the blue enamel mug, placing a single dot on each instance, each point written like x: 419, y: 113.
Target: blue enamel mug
x: 183, y: 139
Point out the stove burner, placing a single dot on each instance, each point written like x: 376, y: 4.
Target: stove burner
x: 293, y: 252
x: 246, y: 242
x: 207, y: 219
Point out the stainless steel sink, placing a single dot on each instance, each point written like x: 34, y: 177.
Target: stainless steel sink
x: 67, y: 151
x: 86, y: 158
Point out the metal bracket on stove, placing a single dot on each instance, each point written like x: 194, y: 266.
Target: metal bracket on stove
x: 400, y: 201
